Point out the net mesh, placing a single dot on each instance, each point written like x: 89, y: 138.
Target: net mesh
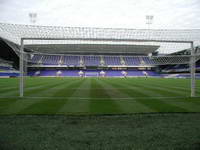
x: 66, y: 41
x: 103, y: 36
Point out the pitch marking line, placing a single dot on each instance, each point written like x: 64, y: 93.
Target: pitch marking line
x: 89, y: 98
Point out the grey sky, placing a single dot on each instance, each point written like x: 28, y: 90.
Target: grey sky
x: 104, y: 13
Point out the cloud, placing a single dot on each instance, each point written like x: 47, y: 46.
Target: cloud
x: 104, y: 13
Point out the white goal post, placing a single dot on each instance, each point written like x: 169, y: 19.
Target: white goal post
x: 192, y: 56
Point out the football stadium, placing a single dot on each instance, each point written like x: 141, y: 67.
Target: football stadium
x: 99, y: 88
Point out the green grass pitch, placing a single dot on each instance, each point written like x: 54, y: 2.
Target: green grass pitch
x: 99, y: 113
x: 97, y: 96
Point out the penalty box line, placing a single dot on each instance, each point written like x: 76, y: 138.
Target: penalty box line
x: 97, y: 98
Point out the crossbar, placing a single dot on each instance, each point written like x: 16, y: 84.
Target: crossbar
x: 104, y: 39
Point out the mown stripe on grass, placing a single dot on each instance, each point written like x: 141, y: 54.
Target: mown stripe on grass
x: 42, y: 90
x: 7, y: 82
x: 159, y: 89
x: 126, y: 106
x: 136, y: 90
x: 67, y: 88
x: 174, y: 83
x: 74, y: 105
x: 9, y: 91
x: 170, y: 104
x: 25, y: 102
x: 105, y: 105
x: 190, y: 106
x: 5, y: 103
x: 124, y: 102
x: 47, y: 106
x: 15, y: 90
x: 157, y: 105
x: 167, y: 90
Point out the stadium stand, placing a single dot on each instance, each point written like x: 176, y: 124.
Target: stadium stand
x: 109, y: 73
x: 72, y: 60
x: 147, y: 63
x: 50, y: 59
x: 6, y: 69
x: 36, y: 58
x: 131, y: 61
x: 111, y: 60
x: 91, y: 60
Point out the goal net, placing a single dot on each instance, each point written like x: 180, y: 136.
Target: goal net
x: 159, y: 54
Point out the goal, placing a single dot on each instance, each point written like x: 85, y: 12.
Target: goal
x: 150, y: 47
x: 152, y: 60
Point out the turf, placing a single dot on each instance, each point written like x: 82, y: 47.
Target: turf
x: 97, y: 96
x: 128, y: 132
x: 155, y: 114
